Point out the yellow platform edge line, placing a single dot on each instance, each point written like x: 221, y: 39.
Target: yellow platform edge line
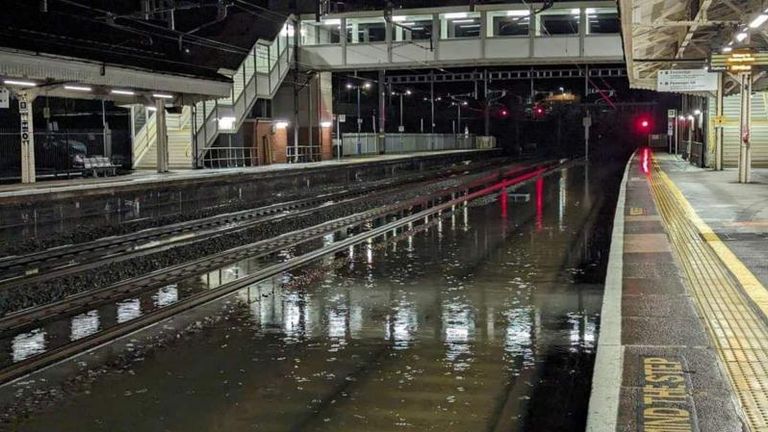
x: 752, y: 287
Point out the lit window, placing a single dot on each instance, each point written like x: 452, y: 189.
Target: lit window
x: 366, y: 30
x: 603, y: 21
x: 509, y: 23
x: 559, y: 22
x: 460, y: 25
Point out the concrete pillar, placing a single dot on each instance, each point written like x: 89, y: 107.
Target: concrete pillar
x: 162, y: 137
x: 27, y: 136
x: 719, y: 127
x: 745, y: 150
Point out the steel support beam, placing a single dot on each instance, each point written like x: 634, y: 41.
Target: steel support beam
x: 745, y: 150
x: 162, y: 136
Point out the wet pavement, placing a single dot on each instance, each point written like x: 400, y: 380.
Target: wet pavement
x: 486, y: 320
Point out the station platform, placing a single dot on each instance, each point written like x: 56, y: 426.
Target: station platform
x: 144, y: 179
x: 684, y: 329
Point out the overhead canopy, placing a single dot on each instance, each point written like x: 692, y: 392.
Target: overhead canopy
x: 680, y: 34
x: 104, y: 45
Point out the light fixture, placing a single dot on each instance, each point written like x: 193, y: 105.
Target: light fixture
x: 20, y: 83
x: 281, y: 124
x: 691, y: 118
x: 325, y: 124
x: 123, y: 92
x: 682, y: 117
x: 518, y: 13
x: 465, y: 103
x: 332, y: 21
x: 77, y: 88
x: 349, y: 86
x: 741, y: 36
x: 575, y: 11
x: 399, y: 18
x: 227, y: 122
x: 162, y: 96
x: 697, y: 112
x: 758, y: 21
x: 408, y: 92
x: 407, y: 24
x: 367, y: 85
x: 455, y: 15
x: 727, y: 49
x: 464, y: 21
x: 151, y: 108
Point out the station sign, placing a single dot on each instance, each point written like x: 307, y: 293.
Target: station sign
x: 738, y: 61
x: 686, y: 80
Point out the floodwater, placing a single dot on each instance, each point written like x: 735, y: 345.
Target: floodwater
x: 483, y: 320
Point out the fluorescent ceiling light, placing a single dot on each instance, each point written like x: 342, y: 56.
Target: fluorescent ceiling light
x: 326, y: 124
x: 727, y: 49
x: 162, y: 96
x: 407, y: 24
x: 123, y: 92
x: 20, y: 83
x: 78, y: 88
x: 758, y: 21
x: 741, y: 36
x: 455, y: 15
x: 470, y: 26
x: 697, y: 112
x: 463, y: 21
x: 399, y: 18
x: 281, y: 124
x: 332, y: 21
x: 518, y: 13
x: 575, y: 11
x: 151, y: 108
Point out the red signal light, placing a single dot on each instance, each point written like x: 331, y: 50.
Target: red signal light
x: 644, y: 124
x: 504, y: 113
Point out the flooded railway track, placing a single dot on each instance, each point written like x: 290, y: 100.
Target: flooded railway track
x: 424, y: 207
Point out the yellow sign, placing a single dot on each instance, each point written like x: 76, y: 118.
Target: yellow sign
x: 742, y: 60
x: 665, y: 403
x: 719, y: 120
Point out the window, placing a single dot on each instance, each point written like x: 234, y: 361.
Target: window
x: 559, y: 22
x: 602, y: 21
x: 321, y: 33
x: 366, y: 30
x: 412, y: 28
x: 459, y: 25
x: 509, y: 23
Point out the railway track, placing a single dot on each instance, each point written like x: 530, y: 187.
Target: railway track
x: 65, y: 260
x: 428, y: 205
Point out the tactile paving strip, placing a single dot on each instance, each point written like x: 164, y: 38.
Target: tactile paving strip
x: 737, y: 328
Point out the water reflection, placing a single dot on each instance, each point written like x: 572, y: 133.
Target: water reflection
x: 84, y: 325
x: 459, y: 332
x: 28, y: 344
x: 166, y: 296
x: 128, y: 310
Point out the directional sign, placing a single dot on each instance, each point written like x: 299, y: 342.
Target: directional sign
x: 742, y: 60
x: 686, y: 80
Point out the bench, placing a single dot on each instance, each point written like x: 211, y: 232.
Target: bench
x: 99, y: 165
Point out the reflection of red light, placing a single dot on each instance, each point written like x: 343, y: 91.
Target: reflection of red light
x: 504, y: 113
x: 503, y: 200
x: 646, y: 161
x: 539, y: 203
x: 644, y: 123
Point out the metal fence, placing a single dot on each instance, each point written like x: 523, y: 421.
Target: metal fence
x: 56, y: 153
x: 354, y: 144
x: 230, y: 157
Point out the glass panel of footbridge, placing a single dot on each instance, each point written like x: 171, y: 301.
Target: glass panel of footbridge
x: 563, y: 21
x: 366, y: 30
x: 509, y: 23
x: 457, y: 25
x: 325, y: 32
x: 412, y: 27
x: 602, y: 21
